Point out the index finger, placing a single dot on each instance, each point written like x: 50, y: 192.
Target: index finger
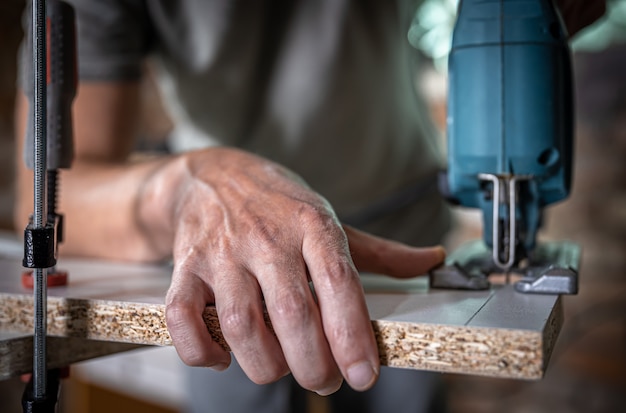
x: 382, y: 256
x: 341, y: 301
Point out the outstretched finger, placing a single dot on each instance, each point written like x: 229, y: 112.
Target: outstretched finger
x: 381, y: 256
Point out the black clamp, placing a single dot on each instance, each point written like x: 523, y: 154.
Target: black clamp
x: 30, y: 404
x: 39, y: 247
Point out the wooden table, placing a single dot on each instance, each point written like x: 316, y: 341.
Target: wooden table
x: 110, y: 307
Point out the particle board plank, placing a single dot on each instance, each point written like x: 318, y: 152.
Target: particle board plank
x: 497, y: 333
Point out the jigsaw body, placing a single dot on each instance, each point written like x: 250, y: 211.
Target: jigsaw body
x: 510, y: 139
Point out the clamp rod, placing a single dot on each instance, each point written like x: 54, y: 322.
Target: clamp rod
x: 39, y: 215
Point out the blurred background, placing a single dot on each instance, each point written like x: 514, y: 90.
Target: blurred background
x: 587, y: 372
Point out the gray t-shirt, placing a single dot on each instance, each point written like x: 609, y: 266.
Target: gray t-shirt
x: 324, y: 87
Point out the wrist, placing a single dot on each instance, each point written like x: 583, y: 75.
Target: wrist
x: 157, y: 202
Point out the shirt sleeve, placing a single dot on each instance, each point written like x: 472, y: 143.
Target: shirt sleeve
x: 113, y: 38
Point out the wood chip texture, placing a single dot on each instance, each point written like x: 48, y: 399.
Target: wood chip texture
x: 497, y: 333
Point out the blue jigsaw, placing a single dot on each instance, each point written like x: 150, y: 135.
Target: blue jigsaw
x: 510, y: 132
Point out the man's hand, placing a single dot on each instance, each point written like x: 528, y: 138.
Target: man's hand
x: 578, y: 14
x: 247, y: 233
x: 244, y: 232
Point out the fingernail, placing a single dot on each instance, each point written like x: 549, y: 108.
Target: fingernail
x: 330, y: 390
x: 441, y: 259
x: 361, y: 375
x: 219, y: 366
x: 442, y: 251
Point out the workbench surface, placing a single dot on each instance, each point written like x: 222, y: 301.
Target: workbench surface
x: 498, y: 333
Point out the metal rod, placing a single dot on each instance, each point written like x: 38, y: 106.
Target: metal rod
x: 495, y: 219
x: 39, y: 215
x: 512, y: 223
x: 508, y: 250
x: 39, y: 340
x: 510, y: 183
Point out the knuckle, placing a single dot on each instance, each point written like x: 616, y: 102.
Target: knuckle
x: 337, y: 273
x: 237, y: 322
x: 327, y: 235
x: 186, y: 261
x: 177, y: 313
x: 343, y: 335
x: 293, y: 308
x: 318, y: 216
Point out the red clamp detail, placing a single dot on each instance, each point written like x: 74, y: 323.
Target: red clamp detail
x: 55, y: 279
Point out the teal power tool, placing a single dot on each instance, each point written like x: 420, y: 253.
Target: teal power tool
x: 510, y: 137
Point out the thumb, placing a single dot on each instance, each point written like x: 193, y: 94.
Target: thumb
x: 381, y: 256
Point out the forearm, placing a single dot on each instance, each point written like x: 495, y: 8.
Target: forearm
x: 114, y: 211
x: 101, y: 195
x: 106, y: 211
